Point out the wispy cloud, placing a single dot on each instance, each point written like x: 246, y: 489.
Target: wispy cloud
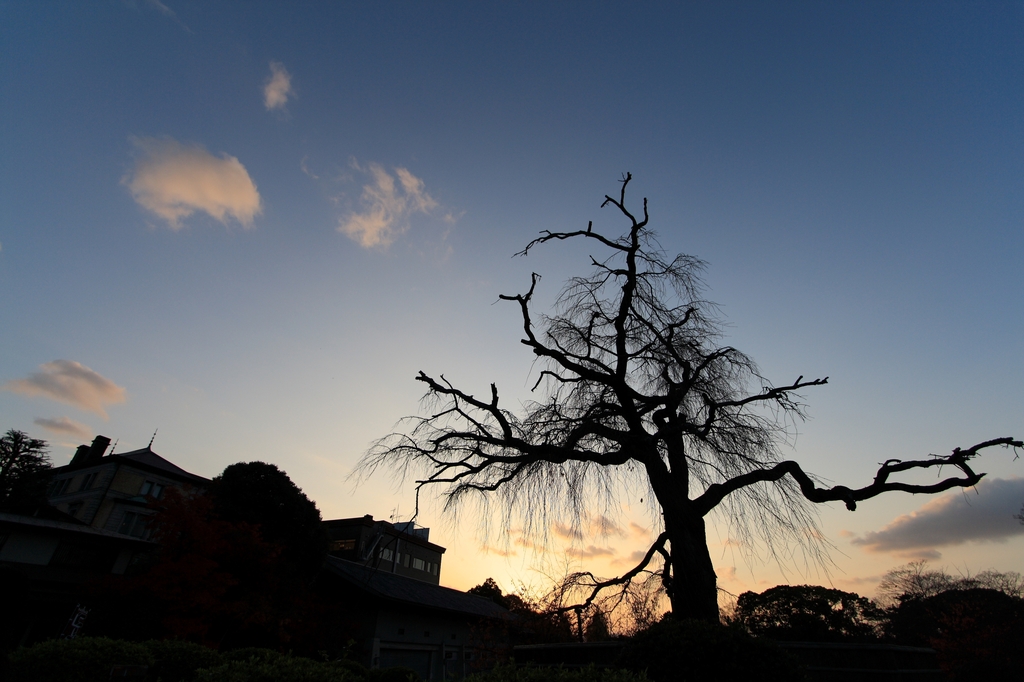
x: 566, y: 531
x: 72, y: 383
x: 277, y: 88
x: 604, y: 527
x: 491, y: 549
x: 161, y: 8
x: 174, y: 181
x: 589, y: 552
x: 64, y: 426
x: 388, y: 201
x: 952, y: 519
x: 637, y: 530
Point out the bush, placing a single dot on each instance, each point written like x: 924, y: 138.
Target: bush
x: 513, y: 673
x: 694, y: 651
x: 86, y: 659
x: 395, y: 674
x: 279, y: 669
x: 252, y: 653
x: 177, y: 661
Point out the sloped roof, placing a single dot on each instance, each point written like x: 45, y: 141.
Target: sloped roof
x: 67, y: 527
x: 148, y: 458
x: 396, y: 588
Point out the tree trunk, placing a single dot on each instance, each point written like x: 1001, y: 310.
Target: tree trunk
x: 693, y: 590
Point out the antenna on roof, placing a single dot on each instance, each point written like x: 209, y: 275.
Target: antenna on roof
x: 150, y: 446
x: 112, y: 449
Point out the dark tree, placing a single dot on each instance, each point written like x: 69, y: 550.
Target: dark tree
x: 23, y: 467
x: 808, y: 613
x: 977, y: 632
x: 261, y: 494
x: 639, y: 392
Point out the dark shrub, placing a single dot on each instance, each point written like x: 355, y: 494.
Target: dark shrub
x: 977, y: 633
x: 395, y: 674
x: 86, y: 659
x: 176, y: 661
x: 279, y: 669
x: 694, y: 651
x: 519, y: 673
x: 252, y: 653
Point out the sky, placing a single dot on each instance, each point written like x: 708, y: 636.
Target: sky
x: 246, y: 227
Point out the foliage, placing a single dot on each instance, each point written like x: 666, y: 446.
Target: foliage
x: 178, y: 661
x: 261, y: 494
x: 976, y: 632
x: 86, y: 659
x: 535, y: 622
x: 638, y: 393
x: 808, y: 613
x: 207, y: 579
x: 916, y: 581
x: 276, y: 669
x: 23, y: 466
x: 218, y: 581
x: 510, y: 672
x: 676, y: 650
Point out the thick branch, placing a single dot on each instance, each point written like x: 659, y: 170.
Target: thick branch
x: 958, y: 458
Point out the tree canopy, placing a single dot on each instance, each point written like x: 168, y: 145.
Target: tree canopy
x: 23, y: 464
x: 808, y: 613
x: 637, y: 390
x: 261, y: 494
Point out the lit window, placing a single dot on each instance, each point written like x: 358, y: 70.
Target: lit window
x: 342, y: 545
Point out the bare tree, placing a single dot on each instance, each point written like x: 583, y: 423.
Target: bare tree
x: 637, y: 391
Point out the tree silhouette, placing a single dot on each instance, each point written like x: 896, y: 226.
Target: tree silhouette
x: 637, y: 391
x: 23, y: 466
x: 808, y: 613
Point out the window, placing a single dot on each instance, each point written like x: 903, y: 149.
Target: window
x: 449, y: 655
x: 74, y: 508
x: 133, y: 524
x: 152, y: 489
x: 386, y: 554
x: 59, y: 487
x: 434, y: 567
x: 419, y: 564
x: 342, y: 545
x: 88, y: 481
x: 407, y: 561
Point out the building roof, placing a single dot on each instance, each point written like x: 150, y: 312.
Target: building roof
x: 67, y: 527
x: 143, y: 458
x: 396, y: 531
x: 149, y: 458
x: 396, y: 588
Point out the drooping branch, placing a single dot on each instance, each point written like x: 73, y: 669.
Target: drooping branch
x: 588, y: 580
x: 959, y: 459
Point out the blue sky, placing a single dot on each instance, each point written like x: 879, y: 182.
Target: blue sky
x: 249, y: 225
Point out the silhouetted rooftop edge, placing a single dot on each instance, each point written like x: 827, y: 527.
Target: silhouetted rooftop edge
x: 398, y: 588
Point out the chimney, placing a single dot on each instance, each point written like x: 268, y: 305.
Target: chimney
x: 99, y: 446
x: 81, y: 454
